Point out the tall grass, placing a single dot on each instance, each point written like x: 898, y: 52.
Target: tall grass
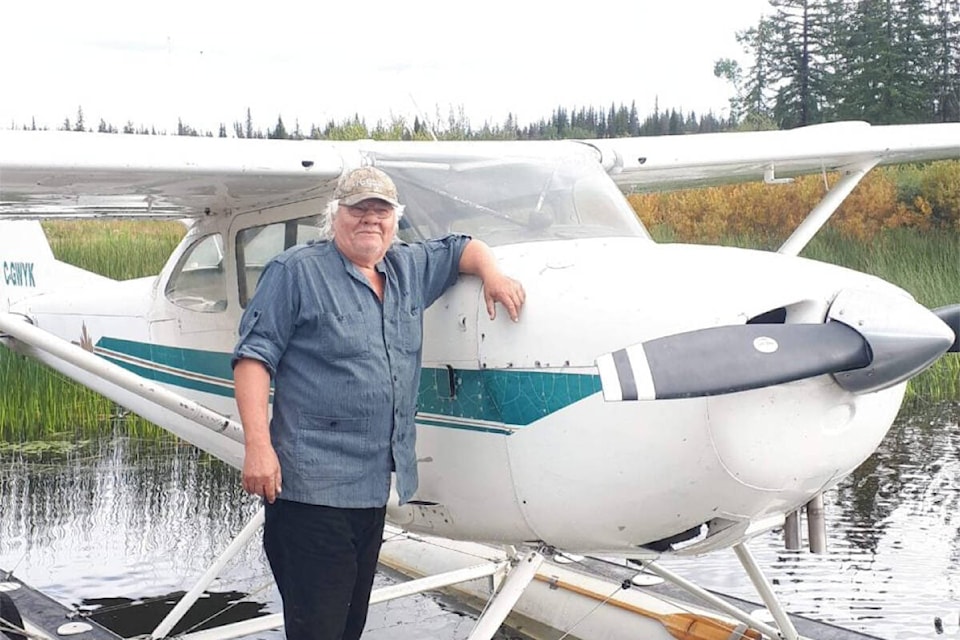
x: 37, y: 402
x: 118, y: 249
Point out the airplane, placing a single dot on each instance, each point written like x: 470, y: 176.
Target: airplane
x: 654, y: 399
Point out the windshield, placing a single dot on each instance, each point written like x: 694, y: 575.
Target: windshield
x: 504, y: 200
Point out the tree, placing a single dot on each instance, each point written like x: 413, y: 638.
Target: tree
x: 945, y: 56
x: 279, y: 131
x: 78, y: 125
x: 796, y: 72
x: 888, y: 63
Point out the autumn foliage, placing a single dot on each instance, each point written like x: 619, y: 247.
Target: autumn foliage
x: 924, y: 197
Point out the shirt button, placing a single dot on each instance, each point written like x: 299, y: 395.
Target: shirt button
x: 395, y: 378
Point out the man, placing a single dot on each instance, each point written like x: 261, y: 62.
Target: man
x: 338, y: 325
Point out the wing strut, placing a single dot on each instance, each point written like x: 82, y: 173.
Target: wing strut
x: 819, y: 215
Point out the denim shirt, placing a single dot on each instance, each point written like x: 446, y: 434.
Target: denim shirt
x: 345, y: 367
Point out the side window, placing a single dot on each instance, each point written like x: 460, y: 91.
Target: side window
x: 257, y: 245
x: 198, y: 283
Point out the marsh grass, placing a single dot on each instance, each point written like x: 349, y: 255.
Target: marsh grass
x: 118, y: 249
x: 38, y: 403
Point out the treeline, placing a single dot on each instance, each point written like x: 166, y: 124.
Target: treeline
x: 583, y: 122
x: 883, y: 61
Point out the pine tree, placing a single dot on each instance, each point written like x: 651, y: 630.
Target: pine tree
x: 888, y: 63
x: 279, y: 131
x: 945, y: 56
x: 796, y: 46
x: 79, y: 126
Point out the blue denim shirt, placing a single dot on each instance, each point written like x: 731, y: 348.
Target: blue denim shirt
x: 345, y: 367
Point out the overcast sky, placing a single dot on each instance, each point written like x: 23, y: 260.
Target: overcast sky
x: 206, y: 62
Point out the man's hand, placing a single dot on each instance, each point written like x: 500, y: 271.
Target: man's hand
x: 261, y: 472
x: 261, y: 468
x: 477, y: 259
x: 506, y: 291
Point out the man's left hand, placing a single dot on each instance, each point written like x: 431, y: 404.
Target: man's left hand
x: 506, y: 291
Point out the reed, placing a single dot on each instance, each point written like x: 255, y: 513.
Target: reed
x: 118, y: 249
x: 39, y: 403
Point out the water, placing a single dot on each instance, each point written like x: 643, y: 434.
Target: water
x: 116, y: 516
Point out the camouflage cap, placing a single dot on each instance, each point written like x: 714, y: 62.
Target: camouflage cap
x: 364, y: 183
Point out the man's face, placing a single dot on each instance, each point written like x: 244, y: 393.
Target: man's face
x: 363, y: 232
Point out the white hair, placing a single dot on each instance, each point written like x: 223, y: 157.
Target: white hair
x: 326, y: 220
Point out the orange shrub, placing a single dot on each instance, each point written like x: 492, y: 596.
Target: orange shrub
x: 759, y: 210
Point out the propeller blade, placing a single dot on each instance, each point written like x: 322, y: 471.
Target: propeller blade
x: 870, y: 341
x: 727, y: 359
x: 951, y: 315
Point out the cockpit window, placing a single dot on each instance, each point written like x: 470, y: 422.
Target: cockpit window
x: 504, y: 200
x: 198, y: 282
x: 257, y: 245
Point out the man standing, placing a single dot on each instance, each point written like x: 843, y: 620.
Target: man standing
x: 338, y: 326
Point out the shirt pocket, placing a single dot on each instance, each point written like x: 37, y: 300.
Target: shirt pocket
x: 343, y: 335
x: 331, y: 448
x: 411, y: 328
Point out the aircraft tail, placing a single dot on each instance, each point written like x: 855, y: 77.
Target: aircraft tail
x: 29, y: 266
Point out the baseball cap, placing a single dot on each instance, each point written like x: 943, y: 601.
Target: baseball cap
x: 364, y: 183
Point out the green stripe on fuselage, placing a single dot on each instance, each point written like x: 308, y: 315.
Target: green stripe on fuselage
x: 515, y: 398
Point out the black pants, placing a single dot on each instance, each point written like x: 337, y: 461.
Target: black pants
x: 324, y: 560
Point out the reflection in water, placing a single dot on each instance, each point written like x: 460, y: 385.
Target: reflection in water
x: 116, y: 523
x: 118, y: 515
x: 135, y: 518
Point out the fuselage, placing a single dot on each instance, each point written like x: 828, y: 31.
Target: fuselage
x: 515, y: 440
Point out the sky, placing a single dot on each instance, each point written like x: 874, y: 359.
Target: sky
x: 207, y: 62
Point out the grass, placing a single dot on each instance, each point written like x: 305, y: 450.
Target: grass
x: 39, y: 403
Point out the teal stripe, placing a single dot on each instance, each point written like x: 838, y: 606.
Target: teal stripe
x: 174, y: 379
x: 209, y: 363
x: 511, y: 398
x: 516, y: 398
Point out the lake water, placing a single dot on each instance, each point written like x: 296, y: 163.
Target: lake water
x: 120, y: 517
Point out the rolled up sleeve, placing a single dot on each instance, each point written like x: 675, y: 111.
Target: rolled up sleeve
x: 269, y: 319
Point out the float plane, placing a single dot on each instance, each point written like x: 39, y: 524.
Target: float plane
x: 654, y: 399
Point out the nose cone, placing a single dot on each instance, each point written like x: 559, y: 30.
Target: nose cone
x: 904, y: 337
x: 951, y: 316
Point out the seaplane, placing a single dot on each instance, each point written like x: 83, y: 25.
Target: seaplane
x: 654, y: 398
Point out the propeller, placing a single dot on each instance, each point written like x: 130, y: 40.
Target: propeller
x: 727, y: 359
x: 869, y: 341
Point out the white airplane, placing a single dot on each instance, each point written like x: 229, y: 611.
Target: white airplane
x: 654, y: 398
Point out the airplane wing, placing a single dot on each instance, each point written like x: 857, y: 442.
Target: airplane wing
x: 686, y: 161
x: 73, y: 174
